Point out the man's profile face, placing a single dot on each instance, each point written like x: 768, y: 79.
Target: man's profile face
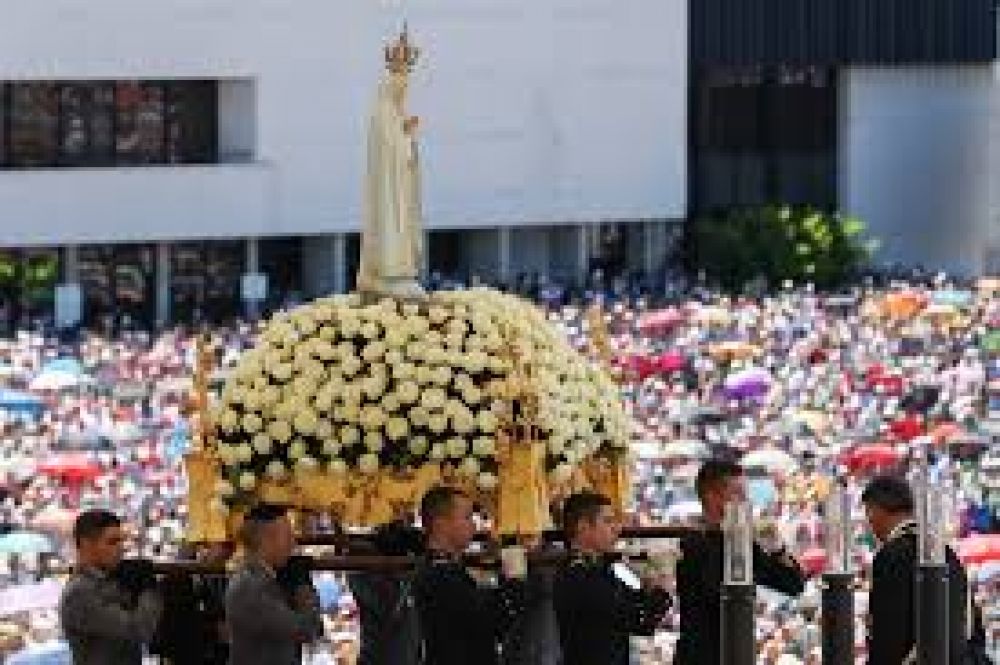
x: 457, y: 524
x: 106, y: 549
x: 731, y: 489
x: 277, y: 541
x: 879, y: 520
x: 601, y: 533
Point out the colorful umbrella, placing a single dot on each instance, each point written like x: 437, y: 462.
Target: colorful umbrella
x: 980, y: 548
x: 25, y: 542
x: 748, y: 383
x: 662, y: 321
x: 771, y: 460
x: 870, y: 457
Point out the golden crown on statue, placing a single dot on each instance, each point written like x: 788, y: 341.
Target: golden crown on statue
x: 401, y: 56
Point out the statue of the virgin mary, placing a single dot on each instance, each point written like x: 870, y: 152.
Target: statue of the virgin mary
x: 392, y: 235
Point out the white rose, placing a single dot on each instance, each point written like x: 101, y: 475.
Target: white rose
x: 390, y: 403
x: 442, y: 376
x: 349, y: 436
x: 372, y: 418
x: 437, y: 423
x: 472, y: 395
x: 418, y: 446
x: 395, y: 338
x: 463, y: 422
x: 368, y: 463
x: 457, y: 447
x: 437, y: 315
x: 338, y: 467
x: 397, y: 428
x: 331, y: 447
x: 369, y: 330
x: 224, y: 488
x: 488, y: 422
x: 306, y: 422
x: 562, y: 473
x: 279, y: 430
x: 282, y: 371
x: 229, y: 420
x: 275, y: 470
x: 469, y: 467
x: 487, y: 481
x: 252, y: 423
x: 438, y: 452
x: 261, y: 443
x: 374, y: 441
x: 244, y: 453
x: 484, y: 446
x: 408, y: 392
x: 324, y: 429
x: 248, y: 481
x: 297, y: 449
x: 433, y: 398
x: 404, y: 371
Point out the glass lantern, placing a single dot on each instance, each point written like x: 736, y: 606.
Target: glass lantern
x: 737, y: 535
x: 932, y: 519
x: 838, y: 531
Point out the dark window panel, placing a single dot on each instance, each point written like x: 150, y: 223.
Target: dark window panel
x: 34, y: 124
x: 139, y: 116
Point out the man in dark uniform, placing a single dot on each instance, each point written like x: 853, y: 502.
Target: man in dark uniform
x: 462, y: 623
x: 889, y: 507
x: 596, y: 611
x: 699, y: 570
x: 272, y: 609
x: 109, y: 608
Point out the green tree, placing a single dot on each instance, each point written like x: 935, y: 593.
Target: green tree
x: 778, y: 243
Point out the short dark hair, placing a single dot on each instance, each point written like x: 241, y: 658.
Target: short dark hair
x: 581, y: 506
x: 91, y: 523
x: 713, y: 472
x: 256, y: 518
x: 889, y: 492
x: 437, y: 502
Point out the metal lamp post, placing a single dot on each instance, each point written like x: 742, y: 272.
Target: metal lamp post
x: 838, y: 581
x: 738, y: 590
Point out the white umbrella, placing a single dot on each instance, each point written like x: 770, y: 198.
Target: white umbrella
x: 55, y: 380
x: 685, y: 449
x: 683, y: 510
x: 770, y: 459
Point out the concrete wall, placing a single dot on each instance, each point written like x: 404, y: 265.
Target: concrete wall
x: 918, y: 162
x: 533, y: 111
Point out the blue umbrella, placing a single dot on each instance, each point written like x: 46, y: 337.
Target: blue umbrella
x: 328, y: 589
x: 21, y: 402
x: 46, y: 653
x: 952, y: 297
x: 25, y: 542
x: 65, y: 364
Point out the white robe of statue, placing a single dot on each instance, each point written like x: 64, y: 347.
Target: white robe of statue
x: 392, y: 237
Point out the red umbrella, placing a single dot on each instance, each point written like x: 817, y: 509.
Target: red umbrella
x: 813, y: 561
x: 907, y: 428
x: 980, y: 548
x: 870, y: 457
x: 671, y: 361
x: 661, y: 321
x: 70, y: 467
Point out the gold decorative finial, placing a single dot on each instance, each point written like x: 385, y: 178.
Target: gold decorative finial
x: 401, y: 56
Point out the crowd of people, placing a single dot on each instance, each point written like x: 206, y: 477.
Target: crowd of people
x: 797, y: 387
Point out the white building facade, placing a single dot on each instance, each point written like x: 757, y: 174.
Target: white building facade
x: 524, y: 155
x: 157, y: 158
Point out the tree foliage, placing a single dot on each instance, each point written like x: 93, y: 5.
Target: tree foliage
x: 779, y: 243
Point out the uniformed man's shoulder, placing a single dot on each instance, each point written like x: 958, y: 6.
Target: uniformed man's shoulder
x: 82, y: 582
